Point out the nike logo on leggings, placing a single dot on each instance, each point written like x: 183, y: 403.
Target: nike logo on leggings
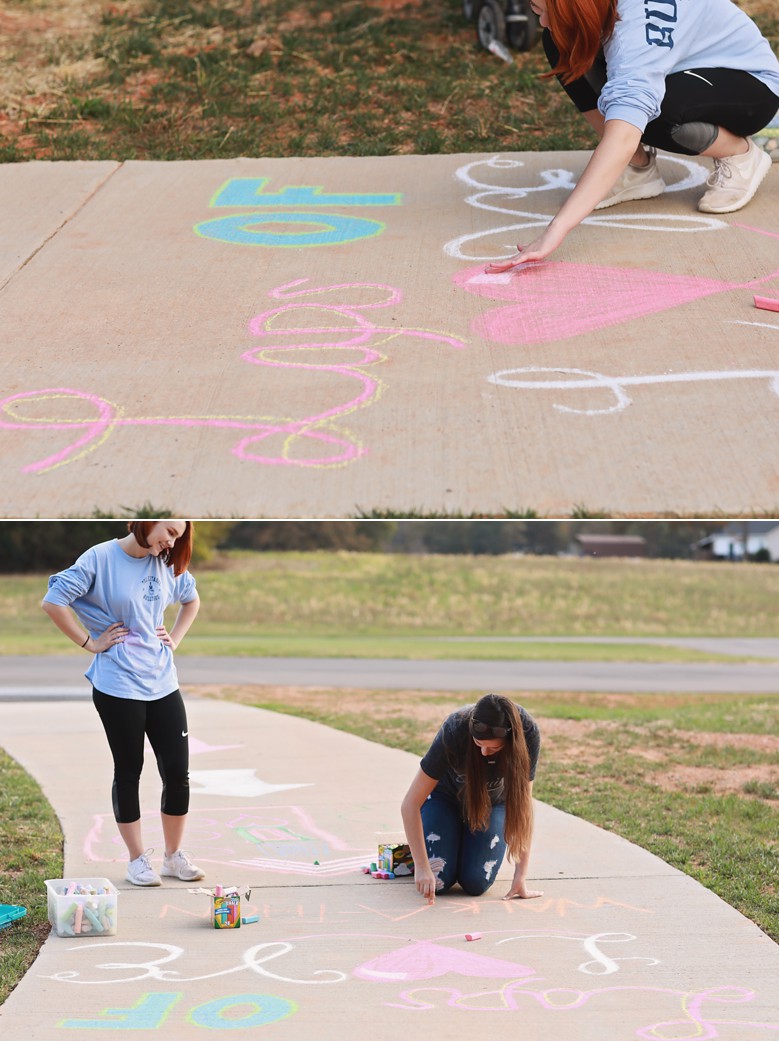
x: 184, y: 733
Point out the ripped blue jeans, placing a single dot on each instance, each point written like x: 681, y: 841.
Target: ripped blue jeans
x: 472, y: 858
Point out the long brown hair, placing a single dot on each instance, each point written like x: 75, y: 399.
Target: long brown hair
x: 179, y: 556
x: 515, y: 762
x: 579, y: 29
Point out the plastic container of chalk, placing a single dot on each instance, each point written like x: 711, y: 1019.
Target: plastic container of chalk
x: 83, y: 906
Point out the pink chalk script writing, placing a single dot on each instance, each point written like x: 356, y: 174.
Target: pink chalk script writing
x: 305, y: 321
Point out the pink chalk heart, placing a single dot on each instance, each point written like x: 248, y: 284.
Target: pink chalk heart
x: 425, y: 961
x: 556, y: 300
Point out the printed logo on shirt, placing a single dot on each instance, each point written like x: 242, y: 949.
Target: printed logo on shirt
x: 661, y: 15
x: 151, y: 588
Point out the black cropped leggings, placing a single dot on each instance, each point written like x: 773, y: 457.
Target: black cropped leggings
x: 126, y: 723
x: 726, y: 98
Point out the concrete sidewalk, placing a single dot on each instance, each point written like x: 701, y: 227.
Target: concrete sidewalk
x: 317, y: 338
x: 619, y: 946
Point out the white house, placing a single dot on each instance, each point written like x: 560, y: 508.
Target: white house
x: 728, y: 543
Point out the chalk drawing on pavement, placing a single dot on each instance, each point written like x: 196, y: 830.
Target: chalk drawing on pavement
x: 331, y: 320
x: 556, y: 300
x: 563, y: 380
x: 279, y: 839
x: 151, y: 1011
x: 552, y: 983
x: 285, y: 228
x: 198, y: 747
x: 496, y: 198
x: 239, y: 783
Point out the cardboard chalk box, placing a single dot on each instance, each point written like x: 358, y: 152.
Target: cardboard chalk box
x: 82, y: 906
x: 396, y: 857
x: 226, y: 911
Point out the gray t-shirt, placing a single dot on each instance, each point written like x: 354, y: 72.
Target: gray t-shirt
x: 444, y: 761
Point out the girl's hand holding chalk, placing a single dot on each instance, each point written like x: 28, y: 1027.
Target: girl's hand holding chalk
x: 425, y: 882
x: 539, y: 249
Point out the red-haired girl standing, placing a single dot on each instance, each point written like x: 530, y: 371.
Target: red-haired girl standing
x: 118, y: 592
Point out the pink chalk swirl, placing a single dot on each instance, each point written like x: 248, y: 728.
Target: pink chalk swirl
x: 338, y: 327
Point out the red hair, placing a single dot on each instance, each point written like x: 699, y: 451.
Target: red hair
x: 579, y: 29
x: 179, y: 556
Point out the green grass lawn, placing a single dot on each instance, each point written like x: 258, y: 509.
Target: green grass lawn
x: 206, y: 79
x: 384, y: 605
x: 30, y: 851
x: 409, y: 648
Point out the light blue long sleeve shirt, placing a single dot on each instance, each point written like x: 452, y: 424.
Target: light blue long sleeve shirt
x: 107, y: 585
x: 654, y: 38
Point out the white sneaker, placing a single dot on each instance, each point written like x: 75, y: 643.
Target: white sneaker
x: 141, y: 873
x: 179, y: 865
x: 636, y: 182
x: 735, y: 180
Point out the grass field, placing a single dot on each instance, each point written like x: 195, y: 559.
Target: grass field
x: 384, y: 605
x: 204, y: 79
x: 30, y: 851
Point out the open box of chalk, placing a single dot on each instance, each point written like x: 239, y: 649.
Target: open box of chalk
x: 82, y: 906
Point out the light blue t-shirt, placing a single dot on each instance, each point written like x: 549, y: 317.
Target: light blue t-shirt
x: 107, y: 585
x: 654, y: 38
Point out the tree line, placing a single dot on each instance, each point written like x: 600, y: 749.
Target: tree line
x: 50, y: 545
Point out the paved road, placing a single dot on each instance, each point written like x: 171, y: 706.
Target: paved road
x: 61, y: 677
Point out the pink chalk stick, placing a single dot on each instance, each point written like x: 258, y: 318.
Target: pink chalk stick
x: 473, y: 936
x: 77, y: 920
x: 766, y: 303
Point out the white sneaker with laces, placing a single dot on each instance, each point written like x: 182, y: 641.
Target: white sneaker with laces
x: 735, y: 180
x: 141, y: 873
x: 636, y: 182
x: 179, y: 865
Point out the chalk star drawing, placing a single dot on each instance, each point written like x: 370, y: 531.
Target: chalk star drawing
x: 239, y: 784
x: 303, y: 327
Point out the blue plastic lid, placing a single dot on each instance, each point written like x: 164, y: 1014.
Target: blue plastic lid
x: 9, y: 913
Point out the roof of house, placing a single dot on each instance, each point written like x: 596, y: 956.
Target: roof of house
x: 611, y: 540
x: 752, y: 527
